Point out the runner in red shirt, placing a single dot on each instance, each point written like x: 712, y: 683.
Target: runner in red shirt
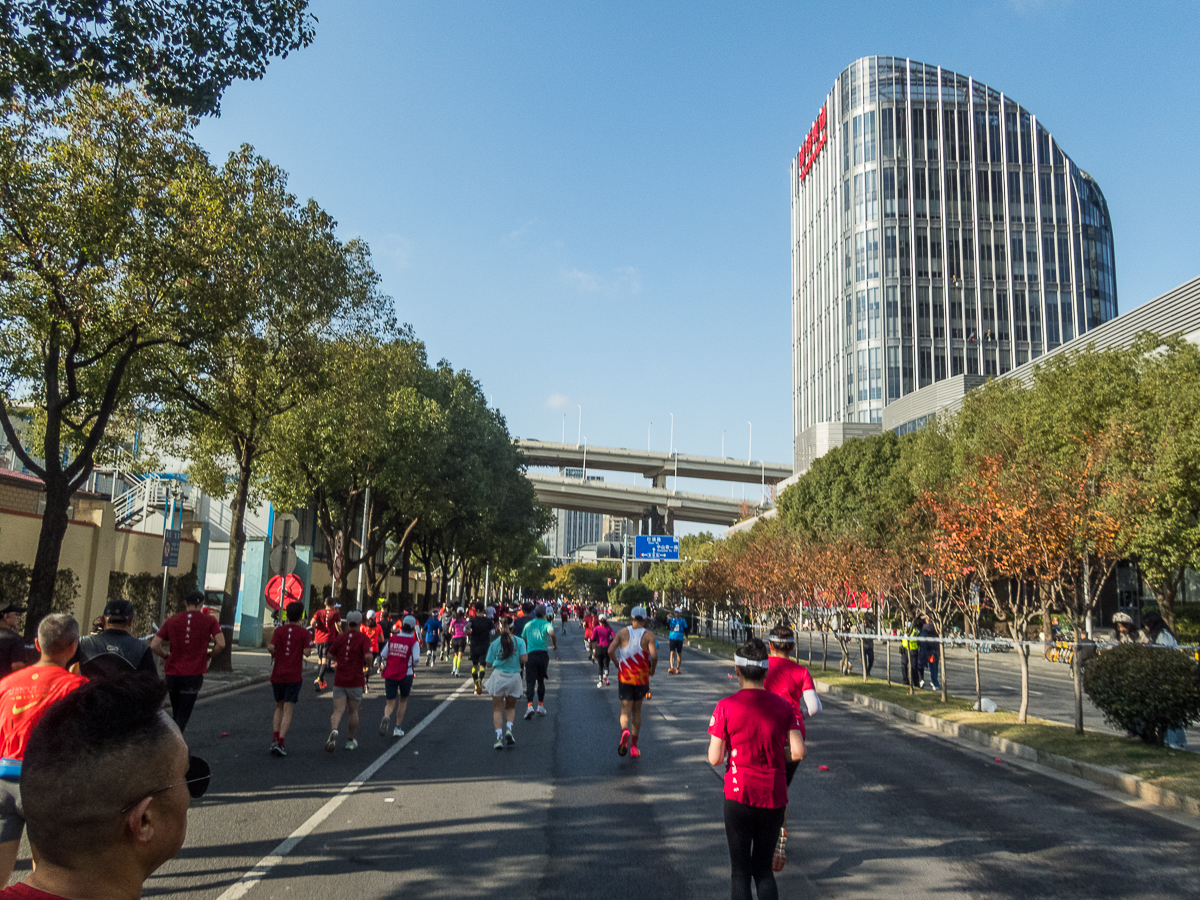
x: 189, y: 634
x: 351, y: 653
x: 290, y: 645
x: 24, y: 696
x: 325, y: 628
x: 375, y: 635
x: 756, y: 733
x: 793, y: 683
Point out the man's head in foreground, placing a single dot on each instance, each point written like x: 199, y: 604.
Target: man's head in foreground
x: 105, y: 787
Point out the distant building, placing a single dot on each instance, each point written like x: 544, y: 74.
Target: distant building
x: 573, y: 529
x: 615, y: 529
x: 938, y: 232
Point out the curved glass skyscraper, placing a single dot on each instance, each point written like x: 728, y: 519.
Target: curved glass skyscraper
x: 937, y: 230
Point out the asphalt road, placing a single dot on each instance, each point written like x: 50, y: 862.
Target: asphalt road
x: 898, y: 813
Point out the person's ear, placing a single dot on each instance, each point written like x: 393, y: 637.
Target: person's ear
x: 37, y: 645
x: 139, y: 823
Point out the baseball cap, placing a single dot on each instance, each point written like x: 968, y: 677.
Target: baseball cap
x: 121, y: 610
x: 409, y: 622
x: 11, y: 608
x: 638, y: 612
x: 679, y: 609
x: 354, y: 617
x: 370, y: 613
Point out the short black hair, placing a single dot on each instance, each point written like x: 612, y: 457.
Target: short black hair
x: 93, y: 752
x: 754, y: 649
x: 294, y: 611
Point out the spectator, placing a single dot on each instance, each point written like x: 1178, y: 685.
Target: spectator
x: 188, y: 635
x: 12, y: 645
x: 1123, y: 632
x: 114, y: 652
x: 24, y: 697
x: 106, y: 785
x: 1158, y: 633
x: 929, y: 650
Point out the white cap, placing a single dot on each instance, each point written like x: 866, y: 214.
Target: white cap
x: 370, y: 613
x: 638, y: 612
x: 409, y: 622
x: 354, y: 617
x: 679, y: 609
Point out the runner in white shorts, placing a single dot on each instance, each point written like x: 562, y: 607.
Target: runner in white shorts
x: 506, y: 657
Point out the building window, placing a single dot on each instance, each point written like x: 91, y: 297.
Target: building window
x: 1018, y: 258
x: 919, y: 199
x: 1049, y: 273
x: 845, y: 146
x: 872, y: 313
x: 862, y: 376
x: 861, y: 298
x: 968, y: 251
x: 871, y: 194
x: 889, y: 193
x: 935, y: 252
x: 873, y: 253
x: 892, y: 310
x: 859, y: 208
x: 869, y: 136
x: 858, y: 140
x: 860, y: 257
x: 931, y: 133
x: 893, y: 373
x: 876, y: 374
x: 922, y: 253
x: 887, y: 136
x: 905, y: 253
x: 889, y: 251
x: 918, y: 133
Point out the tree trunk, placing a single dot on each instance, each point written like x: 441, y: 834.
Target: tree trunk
x: 862, y: 652
x: 942, y: 669
x: 824, y: 649
x: 405, y: 568
x: 1078, y: 686
x: 45, y: 563
x: 978, y: 688
x: 887, y: 648
x: 222, y: 661
x: 1166, y: 592
x: 1023, y: 712
x: 810, y: 647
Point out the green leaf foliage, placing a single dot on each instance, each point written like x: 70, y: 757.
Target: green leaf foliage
x: 1145, y: 690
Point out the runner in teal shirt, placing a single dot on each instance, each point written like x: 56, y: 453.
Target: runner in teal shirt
x: 539, y: 638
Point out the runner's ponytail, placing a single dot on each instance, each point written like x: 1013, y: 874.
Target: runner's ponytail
x: 506, y: 639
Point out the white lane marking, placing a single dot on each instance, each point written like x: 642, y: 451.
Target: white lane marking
x: 276, y: 856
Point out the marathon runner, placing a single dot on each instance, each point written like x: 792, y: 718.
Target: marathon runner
x: 458, y: 638
x: 24, y: 696
x: 433, y: 636
x: 447, y: 617
x: 564, y: 611
x: 636, y: 655
x: 375, y: 635
x: 677, y: 626
x: 325, y: 628
x: 589, y: 625
x: 399, y: 660
x: 507, y: 657
x: 603, y: 636
x: 290, y: 645
x: 535, y: 635
x: 479, y: 635
x: 187, y: 635
x: 351, y: 652
x: 793, y: 683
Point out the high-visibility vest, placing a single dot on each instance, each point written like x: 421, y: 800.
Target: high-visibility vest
x: 909, y: 642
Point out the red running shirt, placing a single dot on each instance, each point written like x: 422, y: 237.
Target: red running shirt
x: 188, y: 633
x: 23, y: 891
x: 290, y: 641
x: 633, y: 662
x: 374, y: 635
x: 789, y: 680
x: 325, y: 624
x: 24, y: 696
x: 400, y: 655
x: 350, y: 650
x: 754, y: 725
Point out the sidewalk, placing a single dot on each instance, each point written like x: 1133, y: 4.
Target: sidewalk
x: 250, y: 666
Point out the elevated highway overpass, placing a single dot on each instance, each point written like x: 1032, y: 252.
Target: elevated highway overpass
x: 653, y: 465
x: 637, y: 502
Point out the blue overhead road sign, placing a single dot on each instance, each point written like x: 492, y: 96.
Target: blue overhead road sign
x: 656, y: 547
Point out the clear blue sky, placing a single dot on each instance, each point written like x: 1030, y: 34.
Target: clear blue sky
x: 587, y: 203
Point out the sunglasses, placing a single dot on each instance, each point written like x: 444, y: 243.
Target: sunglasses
x: 197, y: 778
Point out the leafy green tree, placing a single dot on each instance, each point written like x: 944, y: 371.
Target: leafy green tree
x: 183, y: 52
x: 301, y: 286
x: 114, y: 257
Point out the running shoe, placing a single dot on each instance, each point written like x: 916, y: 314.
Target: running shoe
x: 606, y: 681
x: 599, y: 682
x: 541, y: 710
x: 352, y: 744
x: 322, y: 684
x: 529, y: 711
x: 634, y: 751
x: 279, y: 751
x: 509, y: 739
x: 626, y: 740
x: 275, y: 748
x: 331, y: 741
x: 384, y: 725
x: 499, y: 745
x: 779, y: 858
x: 397, y: 731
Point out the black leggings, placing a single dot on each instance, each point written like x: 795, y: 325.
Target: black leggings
x: 602, y: 660
x: 183, y: 690
x: 536, y: 668
x: 752, y: 833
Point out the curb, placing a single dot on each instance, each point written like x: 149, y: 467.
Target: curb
x: 226, y: 687
x: 1101, y: 775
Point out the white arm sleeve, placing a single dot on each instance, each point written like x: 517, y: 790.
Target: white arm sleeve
x: 383, y: 652
x: 812, y: 703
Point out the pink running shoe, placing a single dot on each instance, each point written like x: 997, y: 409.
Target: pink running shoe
x: 634, y: 751
x: 623, y: 746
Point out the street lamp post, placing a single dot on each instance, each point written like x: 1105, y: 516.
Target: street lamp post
x: 585, y: 459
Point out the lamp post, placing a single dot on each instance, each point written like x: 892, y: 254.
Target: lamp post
x: 585, y: 460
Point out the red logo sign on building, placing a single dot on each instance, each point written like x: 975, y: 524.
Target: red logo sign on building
x: 812, y: 146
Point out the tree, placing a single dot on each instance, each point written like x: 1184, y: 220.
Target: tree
x: 302, y: 286
x: 114, y: 253
x: 183, y: 52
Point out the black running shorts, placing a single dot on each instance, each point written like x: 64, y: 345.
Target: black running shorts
x: 632, y: 691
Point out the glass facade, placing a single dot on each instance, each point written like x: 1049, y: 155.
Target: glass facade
x: 937, y: 230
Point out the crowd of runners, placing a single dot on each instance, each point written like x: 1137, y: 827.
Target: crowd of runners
x: 757, y: 732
